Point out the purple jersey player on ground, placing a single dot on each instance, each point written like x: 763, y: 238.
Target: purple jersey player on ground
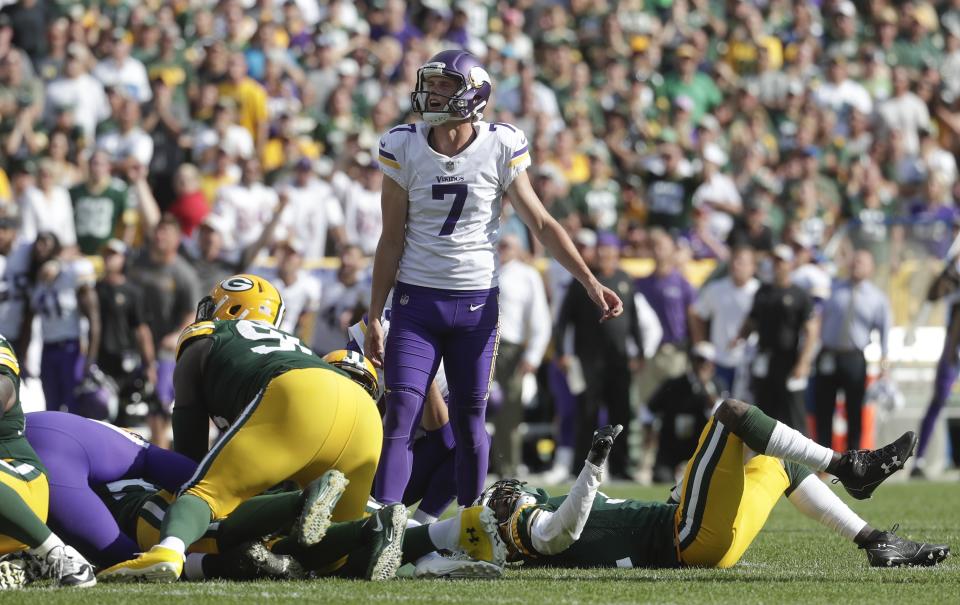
x: 81, y: 454
x: 441, y: 206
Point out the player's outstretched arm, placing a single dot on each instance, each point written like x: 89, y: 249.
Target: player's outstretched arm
x: 558, y: 243
x: 554, y: 532
x: 393, y: 204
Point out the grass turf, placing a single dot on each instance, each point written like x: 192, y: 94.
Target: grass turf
x: 794, y: 560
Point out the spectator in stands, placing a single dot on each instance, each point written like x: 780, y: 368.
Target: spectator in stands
x: 48, y: 207
x: 363, y: 221
x: 214, y: 259
x: 126, y: 344
x: 122, y: 70
x: 62, y: 293
x: 313, y: 212
x: 683, y: 405
x: 904, y: 111
x: 723, y: 305
x: 344, y: 292
x: 300, y: 290
x: 102, y: 207
x: 78, y: 90
x: 189, y: 205
x: 246, y: 206
x: 250, y: 97
x: 609, y: 353
x: 15, y: 261
x: 783, y: 318
x: 524, y: 334
x: 170, y: 293
x: 855, y: 310
x: 670, y: 295
x: 129, y: 142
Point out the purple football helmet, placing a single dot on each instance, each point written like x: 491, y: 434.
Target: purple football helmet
x: 96, y: 396
x: 472, y: 94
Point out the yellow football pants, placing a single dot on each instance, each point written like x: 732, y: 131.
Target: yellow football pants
x: 304, y: 423
x: 36, y: 494
x: 724, y: 502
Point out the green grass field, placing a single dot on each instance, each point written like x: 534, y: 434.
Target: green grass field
x: 794, y: 560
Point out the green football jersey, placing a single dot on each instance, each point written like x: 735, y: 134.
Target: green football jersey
x: 245, y: 356
x: 125, y: 499
x: 618, y: 533
x: 97, y: 215
x: 15, y: 450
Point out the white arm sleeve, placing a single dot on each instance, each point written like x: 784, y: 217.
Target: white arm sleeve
x: 554, y: 532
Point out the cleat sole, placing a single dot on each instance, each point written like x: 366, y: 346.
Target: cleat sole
x: 315, y: 518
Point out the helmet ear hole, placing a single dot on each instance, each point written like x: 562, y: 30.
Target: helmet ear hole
x: 234, y: 310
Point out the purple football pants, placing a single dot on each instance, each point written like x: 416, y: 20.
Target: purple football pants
x: 427, y: 325
x: 81, y: 455
x: 432, y: 481
x: 947, y: 372
x: 61, y: 370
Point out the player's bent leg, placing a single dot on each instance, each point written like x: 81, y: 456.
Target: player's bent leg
x: 23, y: 509
x: 764, y: 481
x: 712, y: 490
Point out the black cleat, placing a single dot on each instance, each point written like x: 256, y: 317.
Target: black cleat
x: 862, y: 471
x: 890, y: 550
x: 385, y: 531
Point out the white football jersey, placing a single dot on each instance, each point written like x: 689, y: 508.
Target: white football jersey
x: 56, y: 303
x: 14, y: 289
x: 453, y: 216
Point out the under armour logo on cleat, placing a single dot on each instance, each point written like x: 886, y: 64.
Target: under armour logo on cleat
x: 472, y: 532
x: 894, y: 465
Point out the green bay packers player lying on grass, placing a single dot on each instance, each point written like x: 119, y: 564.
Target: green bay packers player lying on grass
x: 723, y: 502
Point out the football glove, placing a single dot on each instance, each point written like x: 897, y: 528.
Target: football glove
x: 602, y: 443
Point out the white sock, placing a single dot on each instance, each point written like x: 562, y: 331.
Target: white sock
x: 424, y: 518
x: 174, y: 543
x: 446, y: 534
x: 193, y: 568
x: 789, y: 444
x: 816, y: 500
x: 49, y: 544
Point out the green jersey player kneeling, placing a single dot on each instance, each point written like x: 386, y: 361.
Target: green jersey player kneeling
x: 744, y: 462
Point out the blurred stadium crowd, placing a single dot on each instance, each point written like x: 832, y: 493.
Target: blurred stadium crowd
x: 150, y: 148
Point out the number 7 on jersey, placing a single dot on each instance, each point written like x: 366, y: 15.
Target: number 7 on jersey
x: 459, y: 193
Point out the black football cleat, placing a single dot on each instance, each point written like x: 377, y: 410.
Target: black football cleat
x: 862, y: 471
x: 890, y: 550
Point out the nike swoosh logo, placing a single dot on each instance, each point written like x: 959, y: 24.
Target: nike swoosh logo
x: 475, y: 307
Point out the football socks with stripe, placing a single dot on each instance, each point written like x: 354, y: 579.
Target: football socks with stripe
x: 762, y: 433
x: 187, y: 520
